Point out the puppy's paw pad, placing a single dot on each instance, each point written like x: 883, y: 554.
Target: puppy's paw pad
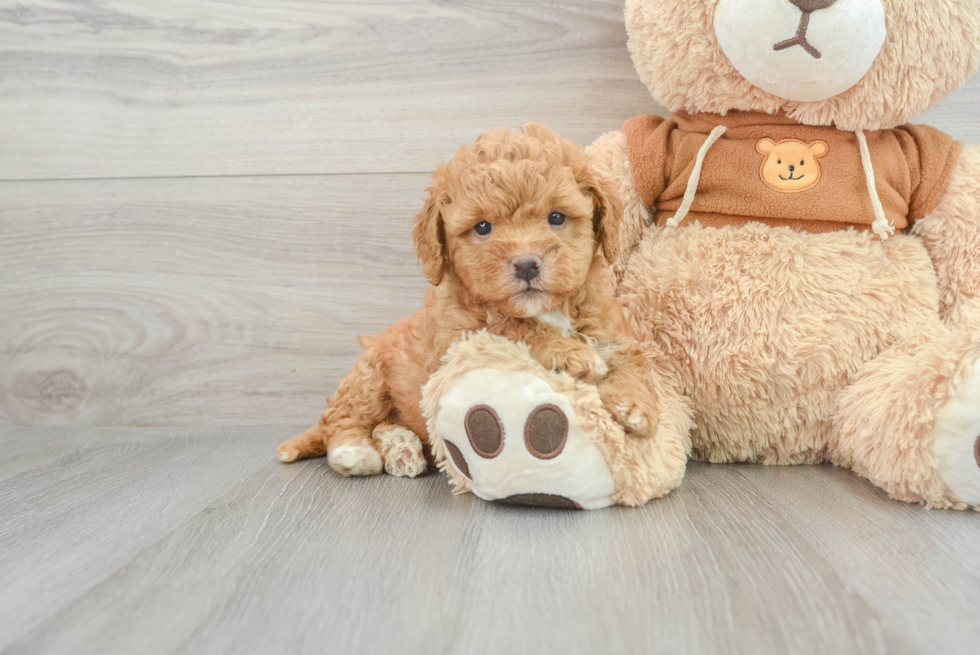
x: 405, y: 462
x: 402, y: 450
x: 355, y: 461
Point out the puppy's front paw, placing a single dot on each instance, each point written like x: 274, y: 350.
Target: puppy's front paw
x: 582, y: 362
x: 635, y: 412
x: 401, y: 450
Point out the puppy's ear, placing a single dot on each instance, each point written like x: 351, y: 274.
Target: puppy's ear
x: 429, y: 234
x: 607, y: 218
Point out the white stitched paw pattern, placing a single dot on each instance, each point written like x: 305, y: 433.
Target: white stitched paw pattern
x: 518, y: 441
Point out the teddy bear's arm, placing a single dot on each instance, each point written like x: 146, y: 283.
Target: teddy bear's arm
x: 609, y: 159
x: 951, y: 234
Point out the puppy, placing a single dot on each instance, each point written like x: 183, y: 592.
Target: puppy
x: 516, y: 236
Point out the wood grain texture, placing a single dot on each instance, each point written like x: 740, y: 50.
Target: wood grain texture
x: 124, y: 88
x: 190, y: 300
x: 166, y: 541
x: 196, y: 301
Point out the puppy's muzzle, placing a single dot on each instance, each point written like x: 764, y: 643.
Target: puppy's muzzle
x: 527, y: 269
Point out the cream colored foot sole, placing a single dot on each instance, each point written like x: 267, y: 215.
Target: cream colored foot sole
x: 519, y: 442
x: 957, y: 445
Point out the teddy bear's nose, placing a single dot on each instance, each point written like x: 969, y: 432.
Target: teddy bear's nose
x: 792, y: 168
x: 812, y: 5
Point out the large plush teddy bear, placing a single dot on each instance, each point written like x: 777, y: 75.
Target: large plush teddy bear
x: 801, y: 266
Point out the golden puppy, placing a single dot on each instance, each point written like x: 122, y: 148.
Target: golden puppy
x: 515, y: 236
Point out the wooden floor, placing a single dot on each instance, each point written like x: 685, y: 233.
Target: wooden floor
x: 165, y: 540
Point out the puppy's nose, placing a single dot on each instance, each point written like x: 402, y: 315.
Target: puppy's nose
x: 812, y: 5
x: 792, y: 168
x: 527, y: 269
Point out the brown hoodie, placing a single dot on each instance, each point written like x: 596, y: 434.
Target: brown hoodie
x: 773, y: 170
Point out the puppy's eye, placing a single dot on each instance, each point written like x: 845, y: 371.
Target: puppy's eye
x: 779, y: 161
x: 556, y: 219
x: 483, y: 228
x: 803, y: 163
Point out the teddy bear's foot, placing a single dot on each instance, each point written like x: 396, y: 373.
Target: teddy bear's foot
x: 957, y: 445
x: 401, y: 450
x: 518, y: 441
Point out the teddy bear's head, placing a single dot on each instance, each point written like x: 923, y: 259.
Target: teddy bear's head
x: 856, y: 64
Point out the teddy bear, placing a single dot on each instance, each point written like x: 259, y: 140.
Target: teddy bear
x: 801, y: 266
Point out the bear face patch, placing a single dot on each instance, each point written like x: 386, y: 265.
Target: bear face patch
x: 791, y: 165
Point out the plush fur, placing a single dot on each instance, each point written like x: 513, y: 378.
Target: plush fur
x: 790, y: 347
x: 954, y: 231
x: 931, y: 49
x: 797, y: 347
x: 488, y: 213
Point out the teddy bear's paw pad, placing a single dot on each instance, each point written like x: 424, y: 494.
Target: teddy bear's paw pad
x: 485, y: 431
x: 401, y: 450
x: 519, y: 441
x: 541, y: 500
x: 546, y: 432
x: 355, y: 461
x: 957, y: 444
x: 458, y: 460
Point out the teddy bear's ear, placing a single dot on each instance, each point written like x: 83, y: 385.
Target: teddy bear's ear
x: 429, y: 233
x: 765, y: 146
x: 818, y: 149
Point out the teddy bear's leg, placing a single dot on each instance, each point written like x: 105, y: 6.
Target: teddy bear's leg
x: 513, y: 438
x: 506, y: 429
x: 910, y: 419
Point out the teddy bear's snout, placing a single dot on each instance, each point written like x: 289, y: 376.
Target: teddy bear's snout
x: 807, y: 7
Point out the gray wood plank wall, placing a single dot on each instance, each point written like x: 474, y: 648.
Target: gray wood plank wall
x: 202, y: 204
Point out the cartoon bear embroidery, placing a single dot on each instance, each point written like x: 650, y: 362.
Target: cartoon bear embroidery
x: 791, y: 165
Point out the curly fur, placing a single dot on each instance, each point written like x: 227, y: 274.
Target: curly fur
x: 512, y: 181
